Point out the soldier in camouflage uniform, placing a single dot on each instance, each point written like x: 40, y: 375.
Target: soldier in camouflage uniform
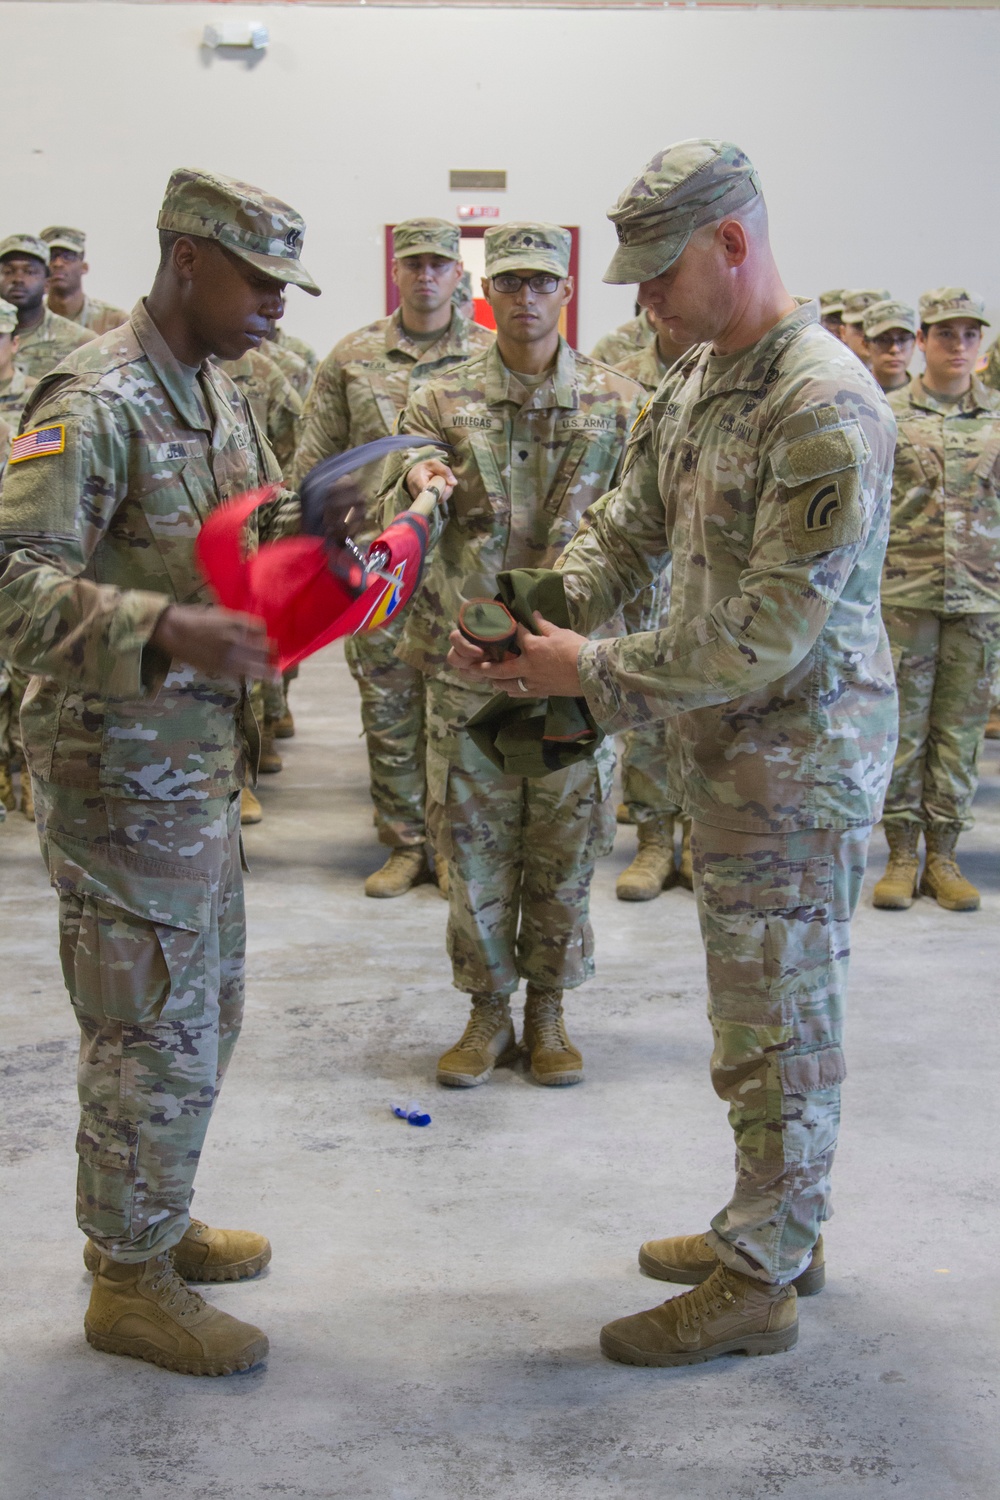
x: 278, y: 410
x: 624, y: 340
x: 852, y: 330
x: 299, y: 347
x: 650, y: 769
x: 890, y: 330
x: 44, y: 339
x: 15, y: 389
x: 138, y: 735
x: 537, y: 433
x: 941, y: 599
x: 463, y: 299
x: 67, y: 268
x: 294, y: 368
x: 763, y: 466
x: 360, y: 389
x: 831, y: 311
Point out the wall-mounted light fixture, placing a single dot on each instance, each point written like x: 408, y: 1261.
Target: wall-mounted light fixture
x: 244, y: 35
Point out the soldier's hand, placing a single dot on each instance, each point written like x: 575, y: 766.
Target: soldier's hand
x: 546, y: 668
x: 343, y: 511
x: 430, y: 471
x: 218, y: 642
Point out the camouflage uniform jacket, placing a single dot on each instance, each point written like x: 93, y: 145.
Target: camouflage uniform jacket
x: 766, y: 475
x: 273, y: 401
x: 363, y: 385
x: 46, y: 346
x: 14, y: 396
x: 644, y: 365
x: 988, y: 369
x: 292, y: 366
x: 297, y: 346
x: 528, y: 465
x: 944, y: 537
x: 615, y: 346
x: 96, y: 540
x: 99, y: 317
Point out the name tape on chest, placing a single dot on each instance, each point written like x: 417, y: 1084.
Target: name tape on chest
x: 38, y: 443
x: 479, y: 422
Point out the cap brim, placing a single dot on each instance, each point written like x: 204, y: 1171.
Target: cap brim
x: 634, y: 263
x: 525, y: 264
x: 425, y: 249
x: 885, y: 327
x: 948, y: 316
x: 292, y: 272
x: 64, y: 245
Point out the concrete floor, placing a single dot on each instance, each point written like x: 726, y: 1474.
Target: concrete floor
x: 435, y: 1295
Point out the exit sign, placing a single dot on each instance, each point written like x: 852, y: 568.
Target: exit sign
x: 467, y: 212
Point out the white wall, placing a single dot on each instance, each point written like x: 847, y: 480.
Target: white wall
x: 356, y: 115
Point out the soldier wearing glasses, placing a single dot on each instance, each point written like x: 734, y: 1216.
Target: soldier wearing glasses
x: 537, y: 433
x: 890, y: 330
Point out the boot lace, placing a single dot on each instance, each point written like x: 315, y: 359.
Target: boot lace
x: 173, y: 1293
x: 548, y: 1026
x: 698, y: 1305
x: 483, y: 1024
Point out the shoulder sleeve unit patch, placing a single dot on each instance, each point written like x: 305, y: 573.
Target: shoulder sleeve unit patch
x: 38, y: 443
x: 820, y: 472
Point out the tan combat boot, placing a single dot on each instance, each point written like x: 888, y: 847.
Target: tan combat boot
x: 250, y: 808
x: 27, y: 799
x: 404, y: 869
x: 487, y: 1042
x: 147, y: 1311
x: 727, y: 1314
x: 942, y: 878
x: 992, y: 730
x: 270, y: 762
x: 685, y: 870
x: 690, y: 1260
x: 6, y: 786
x: 206, y: 1254
x: 898, y: 886
x: 442, y: 875
x: 652, y: 870
x: 622, y: 814
x: 554, y: 1059
x: 284, y: 728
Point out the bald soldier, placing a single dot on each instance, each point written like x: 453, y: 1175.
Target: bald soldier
x: 67, y: 268
x: 360, y: 389
x: 762, y: 467
x: 138, y: 735
x: 43, y: 338
x: 852, y: 318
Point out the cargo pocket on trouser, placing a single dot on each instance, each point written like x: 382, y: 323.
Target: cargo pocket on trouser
x: 776, y: 983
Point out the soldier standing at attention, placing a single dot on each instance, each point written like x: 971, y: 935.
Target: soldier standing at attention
x: 941, y: 599
x: 67, y: 268
x: 650, y: 762
x: 890, y: 330
x: 15, y: 388
x: 624, y: 340
x: 831, y: 311
x: 537, y: 433
x: 138, y: 736
x: 763, y: 467
x: 359, y: 391
x: 851, y: 331
x: 44, y: 338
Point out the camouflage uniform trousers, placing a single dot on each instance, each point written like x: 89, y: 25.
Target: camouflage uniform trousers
x: 392, y: 713
x: 651, y: 771
x: 946, y: 674
x: 521, y: 855
x: 152, y: 941
x: 775, y: 916
x: 12, y: 689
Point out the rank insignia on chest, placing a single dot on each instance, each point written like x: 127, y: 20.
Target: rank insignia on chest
x: 38, y: 443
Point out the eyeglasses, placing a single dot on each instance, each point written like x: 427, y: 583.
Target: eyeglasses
x: 892, y: 340
x: 542, y: 282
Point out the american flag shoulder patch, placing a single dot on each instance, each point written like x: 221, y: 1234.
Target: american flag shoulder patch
x: 37, y: 443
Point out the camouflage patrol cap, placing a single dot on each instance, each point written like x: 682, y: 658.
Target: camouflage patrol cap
x: 881, y: 316
x: 426, y: 237
x: 945, y: 302
x: 683, y: 187
x: 527, y: 247
x: 24, y: 244
x: 856, y: 302
x: 831, y: 303
x: 62, y: 237
x: 8, y: 318
x: 263, y: 231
